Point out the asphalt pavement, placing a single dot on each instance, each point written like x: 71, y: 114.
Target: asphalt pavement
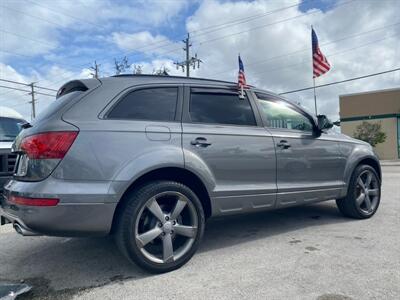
x: 309, y: 252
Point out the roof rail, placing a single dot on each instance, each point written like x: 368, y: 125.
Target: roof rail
x: 169, y: 76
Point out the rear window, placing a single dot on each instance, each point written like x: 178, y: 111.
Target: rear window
x: 221, y: 108
x: 56, y: 105
x: 154, y: 104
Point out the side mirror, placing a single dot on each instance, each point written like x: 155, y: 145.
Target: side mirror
x: 324, y: 122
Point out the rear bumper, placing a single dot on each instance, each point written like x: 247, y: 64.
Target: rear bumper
x: 85, y: 208
x: 3, y: 181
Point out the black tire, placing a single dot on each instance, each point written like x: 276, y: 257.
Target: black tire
x: 348, y: 205
x: 136, y: 205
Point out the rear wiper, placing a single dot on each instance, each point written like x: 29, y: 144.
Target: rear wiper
x: 26, y: 125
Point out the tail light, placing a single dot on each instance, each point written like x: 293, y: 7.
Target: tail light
x: 48, y: 145
x: 42, y: 152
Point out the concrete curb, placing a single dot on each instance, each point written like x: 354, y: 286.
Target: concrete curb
x: 385, y: 163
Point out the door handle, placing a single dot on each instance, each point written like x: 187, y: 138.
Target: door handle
x: 283, y: 144
x: 200, y: 142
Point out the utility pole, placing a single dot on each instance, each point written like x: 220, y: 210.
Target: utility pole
x: 32, y: 93
x: 187, y: 49
x: 190, y: 61
x: 95, y: 70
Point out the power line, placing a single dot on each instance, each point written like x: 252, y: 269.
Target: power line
x: 13, y: 88
x: 32, y: 16
x: 341, y: 81
x: 163, y: 45
x: 250, y: 29
x: 27, y: 84
x: 308, y: 48
x: 270, y: 24
x: 68, y: 15
x: 27, y: 38
x: 27, y: 91
x: 243, y: 20
x: 206, y: 41
x: 239, y: 20
x: 328, y: 55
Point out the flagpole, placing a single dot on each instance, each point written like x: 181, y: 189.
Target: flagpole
x: 312, y: 64
x: 315, y: 97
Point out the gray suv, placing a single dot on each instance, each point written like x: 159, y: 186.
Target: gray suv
x: 149, y: 159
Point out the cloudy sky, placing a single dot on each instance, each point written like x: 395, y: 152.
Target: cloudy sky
x: 53, y: 41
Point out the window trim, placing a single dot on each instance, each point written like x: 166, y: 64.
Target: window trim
x: 227, y: 90
x: 121, y: 95
x: 276, y: 99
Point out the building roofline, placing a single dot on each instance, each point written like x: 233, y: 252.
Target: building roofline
x: 370, y: 92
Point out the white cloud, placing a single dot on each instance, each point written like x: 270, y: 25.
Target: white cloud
x: 33, y: 27
x: 145, y: 42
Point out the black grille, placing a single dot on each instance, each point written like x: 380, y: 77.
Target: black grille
x: 7, y: 163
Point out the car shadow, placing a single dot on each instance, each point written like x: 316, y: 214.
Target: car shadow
x: 66, y: 266
x: 233, y: 230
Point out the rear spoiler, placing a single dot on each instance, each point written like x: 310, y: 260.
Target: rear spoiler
x: 71, y: 86
x: 78, y: 85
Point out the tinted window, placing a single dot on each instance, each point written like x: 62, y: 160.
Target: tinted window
x: 218, y: 108
x: 55, y: 106
x: 9, y: 129
x: 157, y: 104
x: 279, y: 114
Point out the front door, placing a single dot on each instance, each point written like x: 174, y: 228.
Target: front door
x: 309, y: 167
x: 223, y: 138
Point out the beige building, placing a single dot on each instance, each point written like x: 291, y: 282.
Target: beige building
x: 376, y: 107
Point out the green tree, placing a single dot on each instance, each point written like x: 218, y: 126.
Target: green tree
x: 370, y: 132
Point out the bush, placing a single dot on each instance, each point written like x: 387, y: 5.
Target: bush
x: 370, y: 132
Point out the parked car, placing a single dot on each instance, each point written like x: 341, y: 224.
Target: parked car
x: 149, y: 159
x: 10, y: 126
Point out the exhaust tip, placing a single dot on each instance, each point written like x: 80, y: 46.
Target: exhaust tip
x: 22, y: 231
x: 18, y: 228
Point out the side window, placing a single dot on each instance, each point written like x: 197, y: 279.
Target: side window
x: 220, y: 108
x: 279, y: 114
x: 155, y: 104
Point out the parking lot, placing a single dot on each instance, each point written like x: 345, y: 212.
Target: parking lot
x: 309, y: 252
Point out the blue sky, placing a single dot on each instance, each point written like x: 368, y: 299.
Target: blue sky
x: 51, y: 42
x: 79, y: 45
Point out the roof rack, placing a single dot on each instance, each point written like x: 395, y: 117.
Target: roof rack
x: 169, y: 76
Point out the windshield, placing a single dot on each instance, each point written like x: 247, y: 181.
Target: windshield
x: 9, y: 129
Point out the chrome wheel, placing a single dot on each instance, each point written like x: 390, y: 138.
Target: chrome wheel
x: 367, y: 192
x: 166, y: 227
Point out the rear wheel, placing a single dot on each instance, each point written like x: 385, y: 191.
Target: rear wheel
x: 364, y: 194
x: 161, y: 226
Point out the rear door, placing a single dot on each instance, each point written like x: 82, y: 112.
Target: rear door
x: 310, y: 167
x: 222, y: 137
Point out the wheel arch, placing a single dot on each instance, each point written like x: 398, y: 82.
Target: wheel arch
x: 370, y: 161
x: 373, y: 163
x: 177, y: 174
x: 366, y: 160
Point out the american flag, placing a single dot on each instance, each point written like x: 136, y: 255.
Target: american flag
x: 241, y: 77
x: 320, y: 63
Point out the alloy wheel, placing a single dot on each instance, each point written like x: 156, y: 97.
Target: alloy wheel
x: 367, y: 192
x: 166, y: 227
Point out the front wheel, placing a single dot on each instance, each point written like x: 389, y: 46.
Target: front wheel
x: 161, y: 226
x: 364, y: 194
